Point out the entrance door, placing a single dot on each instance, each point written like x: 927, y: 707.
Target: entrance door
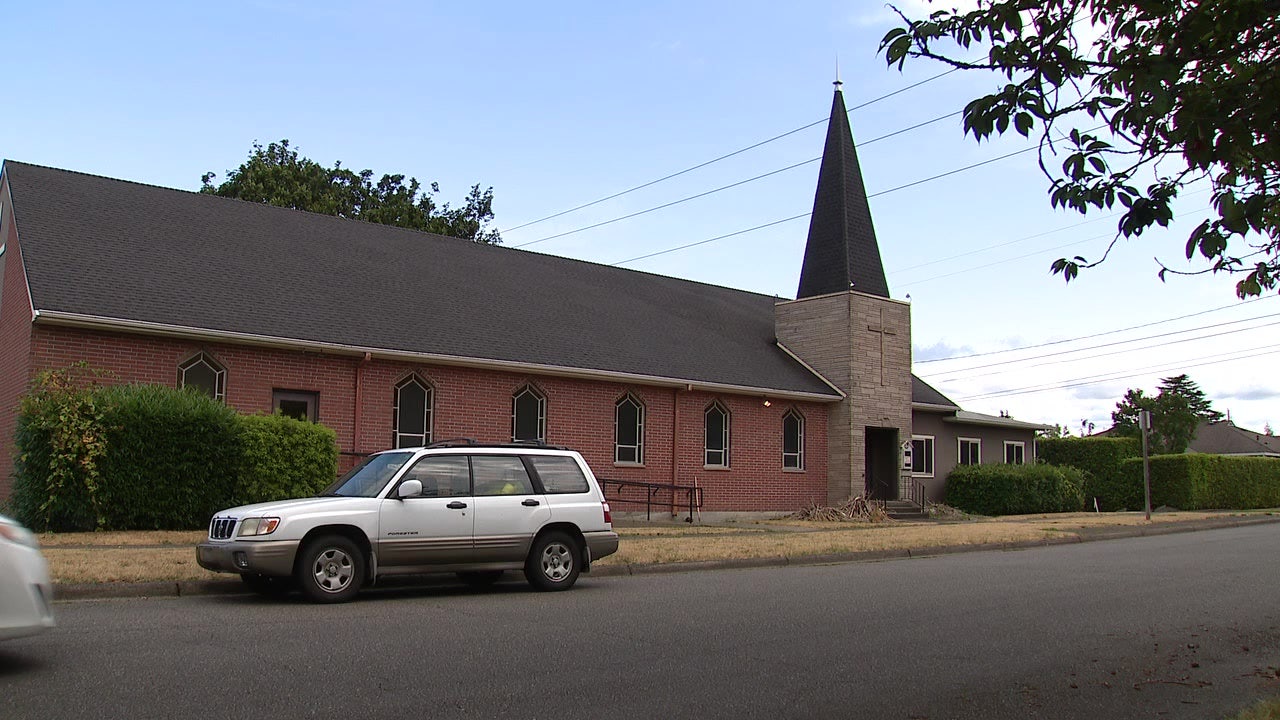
x: 882, y: 463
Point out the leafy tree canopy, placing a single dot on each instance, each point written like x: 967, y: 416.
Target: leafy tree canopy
x: 1171, y: 94
x: 276, y: 175
x: 1177, y: 410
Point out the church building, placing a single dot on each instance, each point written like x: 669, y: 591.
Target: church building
x: 398, y: 338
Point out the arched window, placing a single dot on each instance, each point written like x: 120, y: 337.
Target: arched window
x: 715, y: 422
x: 528, y: 415
x: 793, y: 441
x: 628, y: 430
x: 411, y: 414
x: 205, y: 374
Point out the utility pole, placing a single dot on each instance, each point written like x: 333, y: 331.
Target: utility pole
x: 1144, y: 425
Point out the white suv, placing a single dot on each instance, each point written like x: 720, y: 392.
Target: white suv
x: 455, y: 506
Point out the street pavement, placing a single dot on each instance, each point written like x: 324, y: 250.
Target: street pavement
x: 1173, y: 626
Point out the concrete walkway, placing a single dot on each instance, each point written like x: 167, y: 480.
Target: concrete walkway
x: 232, y: 585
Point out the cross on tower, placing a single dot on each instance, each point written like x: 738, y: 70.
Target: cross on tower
x: 881, y: 329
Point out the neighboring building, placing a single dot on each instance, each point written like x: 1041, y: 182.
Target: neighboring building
x: 397, y: 338
x: 1224, y: 438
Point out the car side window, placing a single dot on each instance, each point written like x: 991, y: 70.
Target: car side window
x: 442, y: 476
x: 500, y: 475
x: 559, y: 474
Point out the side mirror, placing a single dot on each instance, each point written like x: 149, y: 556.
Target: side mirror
x: 409, y: 488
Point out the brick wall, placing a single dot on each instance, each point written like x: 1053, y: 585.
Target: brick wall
x: 15, y: 337
x: 476, y: 403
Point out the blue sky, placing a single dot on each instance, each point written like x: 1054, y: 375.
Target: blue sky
x: 557, y: 106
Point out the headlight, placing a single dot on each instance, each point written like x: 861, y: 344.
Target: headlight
x: 258, y: 526
x: 17, y: 534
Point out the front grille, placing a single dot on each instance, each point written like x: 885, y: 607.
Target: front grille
x: 222, y: 528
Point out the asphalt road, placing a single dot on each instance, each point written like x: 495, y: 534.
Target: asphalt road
x: 1175, y: 626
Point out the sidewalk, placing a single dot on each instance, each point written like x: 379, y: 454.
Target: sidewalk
x: 232, y: 585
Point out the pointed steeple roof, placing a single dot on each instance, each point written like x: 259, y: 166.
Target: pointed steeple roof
x: 842, y: 252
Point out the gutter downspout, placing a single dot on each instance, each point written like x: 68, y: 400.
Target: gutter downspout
x: 358, y: 412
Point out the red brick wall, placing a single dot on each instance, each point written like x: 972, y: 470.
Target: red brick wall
x: 15, y: 339
x: 477, y: 404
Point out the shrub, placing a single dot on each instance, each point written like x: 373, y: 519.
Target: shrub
x: 1015, y: 489
x: 283, y: 458
x: 172, y: 458
x: 1100, y: 459
x: 1207, y: 482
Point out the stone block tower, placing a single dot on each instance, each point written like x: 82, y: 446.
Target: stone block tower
x: 844, y: 325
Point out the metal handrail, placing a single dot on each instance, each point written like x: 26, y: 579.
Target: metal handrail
x: 692, y: 495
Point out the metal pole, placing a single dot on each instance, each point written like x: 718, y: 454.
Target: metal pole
x: 1144, y: 423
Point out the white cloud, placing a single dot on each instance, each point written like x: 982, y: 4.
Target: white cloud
x: 939, y: 351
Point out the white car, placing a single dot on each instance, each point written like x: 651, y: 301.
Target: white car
x: 25, y: 589
x: 475, y: 510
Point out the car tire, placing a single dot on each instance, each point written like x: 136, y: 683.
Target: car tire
x: 480, y: 578
x: 267, y: 585
x: 554, y: 562
x: 330, y: 569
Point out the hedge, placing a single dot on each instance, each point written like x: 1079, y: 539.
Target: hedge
x: 1015, y: 489
x: 1100, y: 459
x: 1193, y: 481
x: 146, y: 457
x: 283, y: 458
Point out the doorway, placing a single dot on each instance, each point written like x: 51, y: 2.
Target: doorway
x: 882, y: 462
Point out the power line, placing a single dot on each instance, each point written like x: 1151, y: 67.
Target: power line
x: 723, y: 187
x: 727, y: 155
x: 1094, y: 335
x: 1113, y: 352
x: 708, y: 240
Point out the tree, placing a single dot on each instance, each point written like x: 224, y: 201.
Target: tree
x: 276, y: 175
x: 1184, y: 93
x: 1176, y: 411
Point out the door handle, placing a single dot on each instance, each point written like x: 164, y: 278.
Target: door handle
x: 530, y: 503
x: 455, y: 505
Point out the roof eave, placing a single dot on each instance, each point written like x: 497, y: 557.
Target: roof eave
x: 93, y: 322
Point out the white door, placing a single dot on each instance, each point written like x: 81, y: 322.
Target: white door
x: 435, y: 527
x: 508, y: 512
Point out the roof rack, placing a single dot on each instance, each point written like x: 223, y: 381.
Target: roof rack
x: 471, y: 442
x: 453, y: 442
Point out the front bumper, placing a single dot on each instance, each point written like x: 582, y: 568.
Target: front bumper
x: 600, y: 544
x: 25, y: 592
x: 273, y: 557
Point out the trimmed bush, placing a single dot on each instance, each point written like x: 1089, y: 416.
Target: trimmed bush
x: 1015, y: 489
x: 1207, y: 482
x: 1100, y: 459
x: 283, y: 458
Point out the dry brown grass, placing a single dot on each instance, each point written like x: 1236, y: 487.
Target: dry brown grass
x: 167, y: 556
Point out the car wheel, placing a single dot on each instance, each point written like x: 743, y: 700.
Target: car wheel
x: 330, y: 569
x: 480, y: 578
x: 553, y: 562
x: 267, y: 585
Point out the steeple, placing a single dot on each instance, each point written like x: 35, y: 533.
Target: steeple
x: 841, y: 253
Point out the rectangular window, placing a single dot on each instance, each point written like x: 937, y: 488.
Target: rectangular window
x: 500, y: 475
x: 970, y: 451
x: 559, y: 474
x: 922, y: 455
x: 442, y: 476
x: 1015, y: 453
x: 298, y: 404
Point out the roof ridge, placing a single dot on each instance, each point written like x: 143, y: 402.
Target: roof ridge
x: 5, y: 162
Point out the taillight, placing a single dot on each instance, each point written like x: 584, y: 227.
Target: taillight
x: 608, y: 518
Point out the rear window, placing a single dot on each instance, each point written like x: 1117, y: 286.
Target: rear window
x: 559, y: 474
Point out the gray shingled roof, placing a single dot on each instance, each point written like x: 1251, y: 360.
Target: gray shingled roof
x: 116, y: 249
x: 924, y: 393
x: 1224, y: 438
x: 842, y: 251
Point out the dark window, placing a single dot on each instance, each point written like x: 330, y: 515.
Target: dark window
x: 970, y: 451
x: 716, y: 424
x: 500, y: 475
x: 628, y: 431
x: 204, y: 374
x: 411, y: 415
x: 793, y: 440
x: 1015, y: 452
x: 442, y: 476
x: 559, y: 474
x: 922, y: 455
x: 297, y: 404
x: 528, y: 415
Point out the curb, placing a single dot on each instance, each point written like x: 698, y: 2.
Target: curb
x: 103, y: 591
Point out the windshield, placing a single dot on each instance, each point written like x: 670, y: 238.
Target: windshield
x: 369, y: 477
